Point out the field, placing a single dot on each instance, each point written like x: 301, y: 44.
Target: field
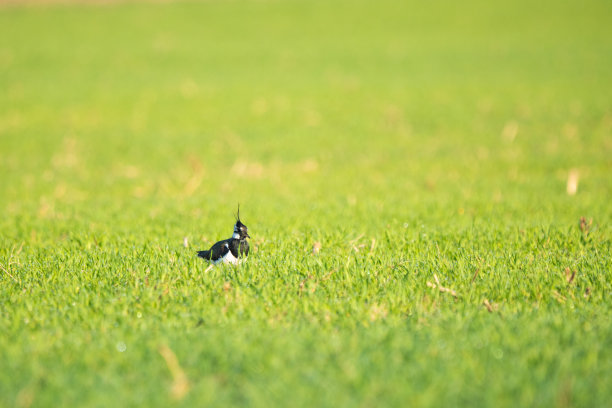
x: 428, y: 188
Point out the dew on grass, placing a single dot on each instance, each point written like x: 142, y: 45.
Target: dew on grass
x: 121, y: 346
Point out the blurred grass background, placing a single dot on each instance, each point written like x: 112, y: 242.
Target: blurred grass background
x: 409, y: 138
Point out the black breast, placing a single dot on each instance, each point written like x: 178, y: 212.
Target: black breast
x: 239, y: 248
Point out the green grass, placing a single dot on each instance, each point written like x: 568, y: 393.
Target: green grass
x: 422, y: 144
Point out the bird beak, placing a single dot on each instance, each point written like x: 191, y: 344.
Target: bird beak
x: 248, y: 236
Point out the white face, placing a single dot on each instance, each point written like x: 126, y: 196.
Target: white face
x: 236, y: 233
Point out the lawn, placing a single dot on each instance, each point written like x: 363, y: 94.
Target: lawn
x: 428, y: 188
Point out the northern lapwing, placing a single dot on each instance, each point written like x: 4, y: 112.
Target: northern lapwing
x: 231, y: 249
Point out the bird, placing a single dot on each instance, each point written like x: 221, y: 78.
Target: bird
x: 229, y: 250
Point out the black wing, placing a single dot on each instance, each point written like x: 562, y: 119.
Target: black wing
x: 204, y: 254
x: 217, y: 251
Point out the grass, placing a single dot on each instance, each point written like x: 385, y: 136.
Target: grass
x: 425, y: 146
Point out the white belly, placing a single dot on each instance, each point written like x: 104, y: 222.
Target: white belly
x: 229, y: 258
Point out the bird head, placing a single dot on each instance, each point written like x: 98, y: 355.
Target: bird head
x: 240, y: 230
